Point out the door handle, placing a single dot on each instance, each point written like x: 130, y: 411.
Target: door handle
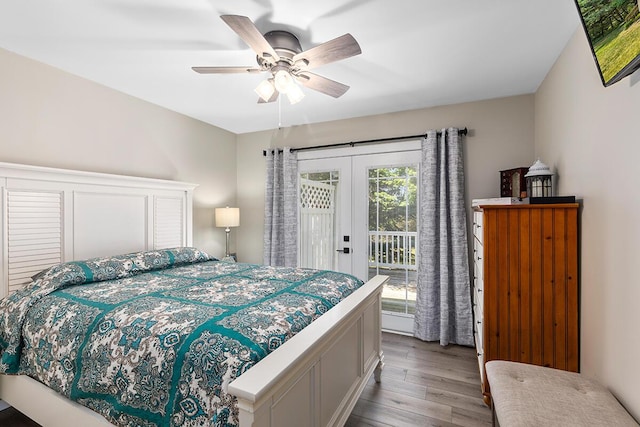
x: 344, y: 251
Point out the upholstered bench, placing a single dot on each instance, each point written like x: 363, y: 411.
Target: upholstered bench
x: 530, y: 395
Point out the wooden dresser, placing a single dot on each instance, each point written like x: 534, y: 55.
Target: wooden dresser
x: 525, y: 287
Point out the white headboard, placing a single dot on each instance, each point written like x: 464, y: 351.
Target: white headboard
x: 55, y: 215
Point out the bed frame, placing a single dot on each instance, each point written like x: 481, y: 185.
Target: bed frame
x: 52, y: 215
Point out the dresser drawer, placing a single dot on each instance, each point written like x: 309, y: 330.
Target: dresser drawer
x: 478, y: 296
x: 478, y: 259
x: 480, y: 354
x: 477, y: 225
x: 477, y: 327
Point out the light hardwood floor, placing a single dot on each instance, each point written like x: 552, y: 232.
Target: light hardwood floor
x: 423, y: 384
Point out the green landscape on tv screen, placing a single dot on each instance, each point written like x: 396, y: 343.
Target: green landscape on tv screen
x: 613, y: 30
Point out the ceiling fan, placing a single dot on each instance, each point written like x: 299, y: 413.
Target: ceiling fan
x: 279, y: 53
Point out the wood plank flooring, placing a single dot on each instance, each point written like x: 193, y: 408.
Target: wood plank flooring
x: 423, y: 384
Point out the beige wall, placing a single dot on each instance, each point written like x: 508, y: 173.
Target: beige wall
x: 589, y: 133
x: 500, y: 137
x: 52, y: 118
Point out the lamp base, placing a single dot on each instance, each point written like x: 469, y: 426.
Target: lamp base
x: 226, y: 252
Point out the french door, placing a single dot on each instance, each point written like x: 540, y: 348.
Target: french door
x: 359, y: 215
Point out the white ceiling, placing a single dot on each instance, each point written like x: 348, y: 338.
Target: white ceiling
x: 415, y: 53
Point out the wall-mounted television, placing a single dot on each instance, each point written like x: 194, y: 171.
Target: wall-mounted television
x: 613, y: 31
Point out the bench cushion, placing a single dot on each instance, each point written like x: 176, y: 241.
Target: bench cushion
x: 530, y: 395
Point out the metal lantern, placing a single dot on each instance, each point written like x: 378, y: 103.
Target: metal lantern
x: 539, y: 182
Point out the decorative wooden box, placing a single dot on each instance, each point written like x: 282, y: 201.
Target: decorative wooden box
x: 513, y: 183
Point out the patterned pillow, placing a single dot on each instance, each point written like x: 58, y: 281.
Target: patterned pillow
x: 116, y: 267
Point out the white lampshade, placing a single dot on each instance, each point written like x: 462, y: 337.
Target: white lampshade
x: 295, y: 94
x: 283, y: 81
x: 265, y: 90
x: 227, y: 217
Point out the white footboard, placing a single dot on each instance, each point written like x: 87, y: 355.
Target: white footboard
x: 316, y: 377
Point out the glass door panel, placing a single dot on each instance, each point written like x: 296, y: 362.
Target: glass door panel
x: 393, y: 234
x: 386, y: 195
x: 324, y: 214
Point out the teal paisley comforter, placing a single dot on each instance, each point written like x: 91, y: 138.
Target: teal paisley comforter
x: 154, y: 338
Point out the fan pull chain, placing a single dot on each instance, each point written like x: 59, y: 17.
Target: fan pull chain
x: 280, y: 112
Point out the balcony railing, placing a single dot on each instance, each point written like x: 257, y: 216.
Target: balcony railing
x: 393, y: 249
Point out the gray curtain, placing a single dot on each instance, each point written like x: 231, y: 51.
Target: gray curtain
x: 443, y: 302
x: 281, y: 209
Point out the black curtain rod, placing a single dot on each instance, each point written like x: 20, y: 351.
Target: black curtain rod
x: 366, y: 141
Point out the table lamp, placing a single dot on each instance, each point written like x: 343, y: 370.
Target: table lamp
x: 227, y: 217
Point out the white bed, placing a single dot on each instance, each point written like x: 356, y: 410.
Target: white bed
x: 51, y: 216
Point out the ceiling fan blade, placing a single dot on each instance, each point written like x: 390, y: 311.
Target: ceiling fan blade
x: 248, y: 32
x: 273, y: 98
x: 334, y: 50
x: 226, y: 70
x: 322, y: 84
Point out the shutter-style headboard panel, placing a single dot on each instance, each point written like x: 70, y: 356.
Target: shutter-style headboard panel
x: 34, y: 234
x: 55, y: 215
x: 169, y: 227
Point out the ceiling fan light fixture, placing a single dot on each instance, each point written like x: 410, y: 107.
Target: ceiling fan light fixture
x: 265, y: 89
x: 279, y: 52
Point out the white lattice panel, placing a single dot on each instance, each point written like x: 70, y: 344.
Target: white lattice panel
x: 316, y: 195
